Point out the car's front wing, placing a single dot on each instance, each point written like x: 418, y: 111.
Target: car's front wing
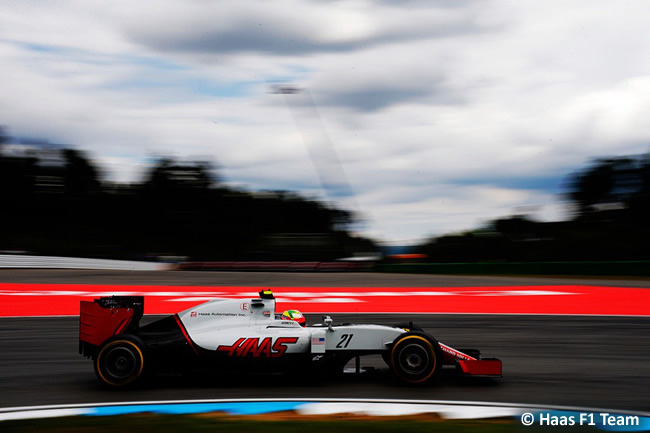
x: 471, y: 365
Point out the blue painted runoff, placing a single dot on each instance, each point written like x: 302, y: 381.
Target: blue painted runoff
x: 232, y: 408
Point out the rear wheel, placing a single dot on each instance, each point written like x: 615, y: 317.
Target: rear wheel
x: 120, y: 362
x: 416, y: 358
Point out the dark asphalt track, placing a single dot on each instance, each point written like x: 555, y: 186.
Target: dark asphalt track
x: 288, y: 279
x: 577, y: 361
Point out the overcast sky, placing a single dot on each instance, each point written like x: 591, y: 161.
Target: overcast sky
x: 444, y: 114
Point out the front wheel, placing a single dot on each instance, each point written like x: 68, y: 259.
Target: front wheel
x: 416, y: 358
x: 120, y: 361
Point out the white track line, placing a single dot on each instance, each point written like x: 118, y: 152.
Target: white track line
x: 312, y: 406
x: 401, y: 313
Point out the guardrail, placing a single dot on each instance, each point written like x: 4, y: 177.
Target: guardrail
x: 340, y: 266
x: 48, y: 262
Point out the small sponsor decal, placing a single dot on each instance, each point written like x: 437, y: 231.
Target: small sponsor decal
x: 267, y: 313
x: 317, y: 340
x: 245, y: 306
x: 193, y: 314
x: 455, y: 353
x: 256, y: 348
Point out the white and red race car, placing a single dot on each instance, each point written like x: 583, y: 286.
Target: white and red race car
x: 246, y: 333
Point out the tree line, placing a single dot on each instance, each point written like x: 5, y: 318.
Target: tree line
x: 57, y: 204
x: 610, y: 206
x: 54, y: 202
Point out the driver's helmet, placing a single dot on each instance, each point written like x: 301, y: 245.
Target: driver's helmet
x: 294, y: 315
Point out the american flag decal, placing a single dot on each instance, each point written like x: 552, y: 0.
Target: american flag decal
x: 318, y: 340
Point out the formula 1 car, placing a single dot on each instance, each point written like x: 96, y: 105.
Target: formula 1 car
x: 247, y: 334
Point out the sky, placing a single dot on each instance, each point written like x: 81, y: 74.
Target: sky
x: 424, y: 117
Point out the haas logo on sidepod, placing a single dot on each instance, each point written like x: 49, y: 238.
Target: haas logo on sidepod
x: 257, y: 348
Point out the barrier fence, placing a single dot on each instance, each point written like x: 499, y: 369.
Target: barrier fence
x: 17, y: 261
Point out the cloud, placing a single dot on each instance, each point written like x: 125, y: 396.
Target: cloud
x: 443, y: 114
x: 373, y: 98
x: 364, y: 37
x: 449, y: 208
x: 296, y: 28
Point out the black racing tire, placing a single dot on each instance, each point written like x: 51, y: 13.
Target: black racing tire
x: 407, y: 326
x: 416, y: 358
x: 121, y: 361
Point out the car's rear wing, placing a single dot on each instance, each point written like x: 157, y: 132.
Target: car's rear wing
x: 107, y: 316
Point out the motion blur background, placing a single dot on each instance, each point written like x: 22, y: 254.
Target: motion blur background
x: 463, y: 131
x: 424, y: 136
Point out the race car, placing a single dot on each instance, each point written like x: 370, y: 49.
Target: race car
x: 247, y: 334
